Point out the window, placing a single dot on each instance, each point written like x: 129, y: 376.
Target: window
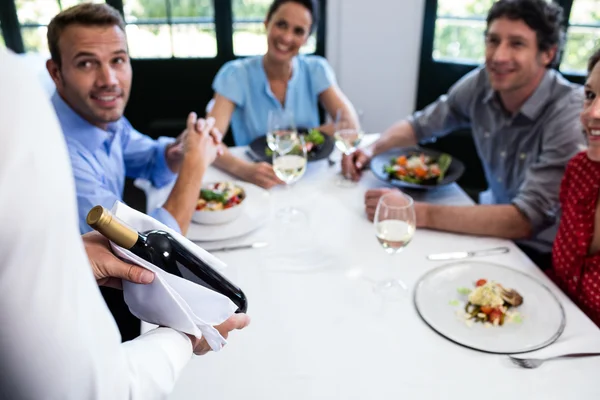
x: 583, y: 36
x: 249, y: 34
x: 170, y: 28
x: 459, y: 30
x: 34, y: 17
x: 2, y: 44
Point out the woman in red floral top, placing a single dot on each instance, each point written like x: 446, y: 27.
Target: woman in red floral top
x: 576, y: 252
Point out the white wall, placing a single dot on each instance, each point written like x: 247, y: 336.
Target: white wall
x: 374, y: 47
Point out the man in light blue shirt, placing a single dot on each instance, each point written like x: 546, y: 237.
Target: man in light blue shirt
x: 91, y: 69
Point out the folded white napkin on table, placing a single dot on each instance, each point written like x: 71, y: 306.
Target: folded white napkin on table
x: 170, y: 300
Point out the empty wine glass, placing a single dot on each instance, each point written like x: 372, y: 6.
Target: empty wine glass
x: 289, y: 164
x: 395, y: 224
x: 281, y: 126
x: 348, y: 135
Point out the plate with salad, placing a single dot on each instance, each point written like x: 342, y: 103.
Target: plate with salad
x: 318, y: 145
x: 489, y: 307
x: 417, y: 168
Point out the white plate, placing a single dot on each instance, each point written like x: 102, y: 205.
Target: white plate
x: 255, y: 213
x: 543, y: 317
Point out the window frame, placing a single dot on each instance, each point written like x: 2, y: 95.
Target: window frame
x: 431, y: 17
x: 223, y: 23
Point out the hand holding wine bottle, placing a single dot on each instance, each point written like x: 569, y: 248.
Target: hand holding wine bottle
x: 235, y: 322
x: 165, y: 252
x: 108, y: 269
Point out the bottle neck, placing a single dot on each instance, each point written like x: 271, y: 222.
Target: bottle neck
x: 110, y: 227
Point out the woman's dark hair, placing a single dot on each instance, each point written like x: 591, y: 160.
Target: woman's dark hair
x: 593, y: 60
x: 311, y: 5
x: 544, y: 17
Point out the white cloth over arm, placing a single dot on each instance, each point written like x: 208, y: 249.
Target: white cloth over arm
x: 57, y: 338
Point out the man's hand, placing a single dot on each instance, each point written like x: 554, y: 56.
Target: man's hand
x: 203, y: 139
x: 107, y: 268
x: 261, y: 174
x: 236, y: 321
x: 353, y: 164
x: 175, y: 152
x: 372, y: 199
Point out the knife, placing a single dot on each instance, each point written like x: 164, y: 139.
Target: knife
x: 456, y: 255
x: 253, y: 156
x: 255, y: 245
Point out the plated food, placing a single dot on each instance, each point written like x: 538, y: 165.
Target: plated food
x: 418, y: 168
x: 319, y: 146
x: 313, y: 139
x: 490, y: 303
x: 219, y: 202
x: 539, y: 322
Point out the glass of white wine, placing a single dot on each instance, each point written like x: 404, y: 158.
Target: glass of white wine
x: 289, y: 164
x: 348, y: 135
x: 395, y: 224
x: 281, y: 129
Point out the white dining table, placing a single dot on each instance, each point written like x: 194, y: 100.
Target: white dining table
x: 320, y: 331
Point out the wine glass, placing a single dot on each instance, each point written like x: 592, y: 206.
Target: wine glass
x: 348, y: 135
x: 289, y: 164
x: 281, y: 126
x: 395, y: 224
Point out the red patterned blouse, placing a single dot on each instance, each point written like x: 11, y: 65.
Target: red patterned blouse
x: 575, y: 271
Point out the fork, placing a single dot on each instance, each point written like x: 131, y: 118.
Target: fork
x: 536, y: 362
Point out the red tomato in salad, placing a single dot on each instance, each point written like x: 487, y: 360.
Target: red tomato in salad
x: 481, y: 282
x: 496, y: 314
x: 486, y: 310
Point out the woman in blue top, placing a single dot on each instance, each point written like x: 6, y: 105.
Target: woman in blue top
x: 246, y: 89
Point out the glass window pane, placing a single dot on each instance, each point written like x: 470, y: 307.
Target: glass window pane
x: 249, y: 38
x: 149, y: 41
x: 461, y: 41
x: 194, y: 40
x: 585, y: 12
x: 192, y: 8
x: 70, y: 3
x: 250, y: 9
x: 34, y: 39
x: 135, y: 10
x: 36, y: 11
x: 249, y: 34
x: 2, y: 44
x: 581, y: 43
x: 464, y: 8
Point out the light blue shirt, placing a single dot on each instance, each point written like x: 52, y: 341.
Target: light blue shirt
x: 245, y: 83
x: 102, y: 159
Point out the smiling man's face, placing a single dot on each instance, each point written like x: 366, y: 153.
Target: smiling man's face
x: 95, y: 75
x: 512, y: 57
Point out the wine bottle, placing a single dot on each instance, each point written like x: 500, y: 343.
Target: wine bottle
x: 163, y: 250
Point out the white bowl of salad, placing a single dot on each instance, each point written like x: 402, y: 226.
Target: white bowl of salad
x: 219, y: 203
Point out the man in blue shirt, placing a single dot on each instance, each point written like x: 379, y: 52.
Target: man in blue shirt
x: 91, y: 69
x: 92, y: 72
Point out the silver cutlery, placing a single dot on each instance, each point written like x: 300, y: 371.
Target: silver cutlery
x: 255, y: 245
x: 536, y: 362
x: 457, y: 255
x: 252, y: 156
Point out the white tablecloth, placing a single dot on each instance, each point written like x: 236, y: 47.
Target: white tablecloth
x: 320, y: 332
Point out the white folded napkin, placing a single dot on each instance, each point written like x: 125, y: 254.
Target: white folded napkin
x: 170, y: 300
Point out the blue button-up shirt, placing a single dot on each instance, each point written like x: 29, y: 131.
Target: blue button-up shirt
x: 101, y: 159
x: 245, y: 83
